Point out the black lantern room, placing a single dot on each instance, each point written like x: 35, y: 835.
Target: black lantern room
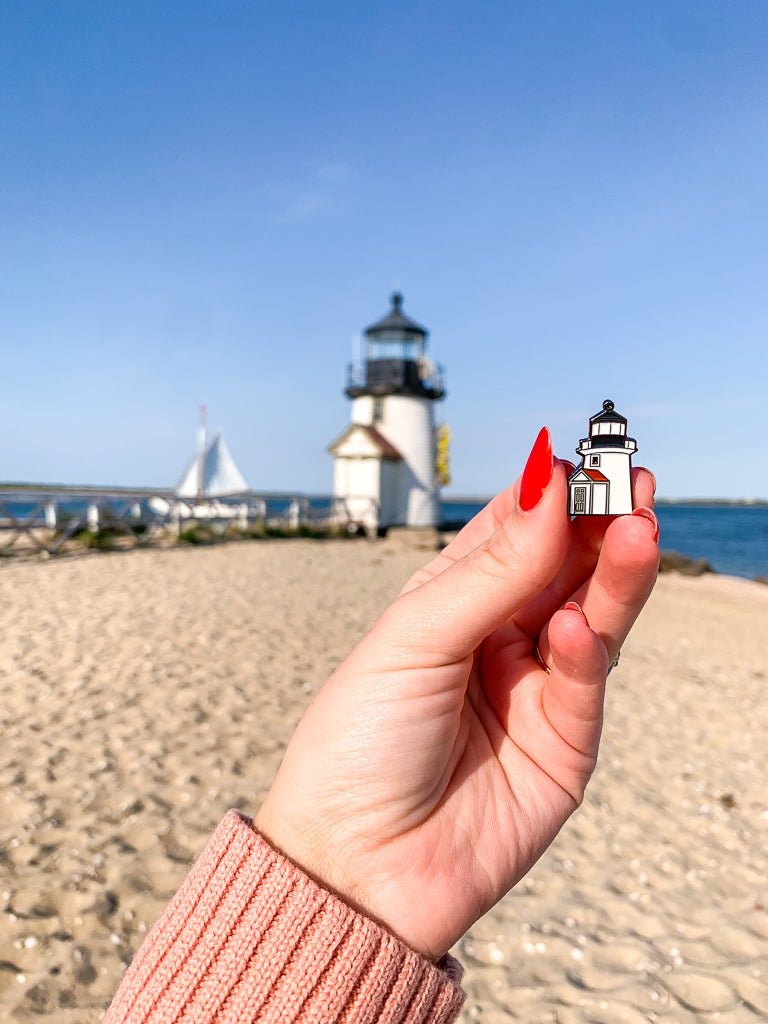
x: 395, y: 360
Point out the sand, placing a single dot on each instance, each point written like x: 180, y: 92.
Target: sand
x: 142, y: 694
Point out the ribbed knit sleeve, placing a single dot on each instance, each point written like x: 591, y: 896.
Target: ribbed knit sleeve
x: 249, y: 937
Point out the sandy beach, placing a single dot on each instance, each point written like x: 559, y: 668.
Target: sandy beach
x: 142, y: 694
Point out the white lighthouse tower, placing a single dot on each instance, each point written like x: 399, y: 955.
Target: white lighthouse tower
x: 602, y: 485
x: 384, y: 462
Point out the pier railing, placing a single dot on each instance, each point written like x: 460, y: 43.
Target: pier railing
x: 55, y: 520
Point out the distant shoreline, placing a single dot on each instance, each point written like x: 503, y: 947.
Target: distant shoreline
x: 698, y: 502
x: 451, y: 499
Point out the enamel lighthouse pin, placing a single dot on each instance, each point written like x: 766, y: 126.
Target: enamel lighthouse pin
x: 602, y: 484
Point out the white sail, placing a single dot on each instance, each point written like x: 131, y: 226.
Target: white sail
x: 188, y: 485
x: 220, y: 475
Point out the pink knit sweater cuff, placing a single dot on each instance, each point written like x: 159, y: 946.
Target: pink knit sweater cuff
x: 249, y: 937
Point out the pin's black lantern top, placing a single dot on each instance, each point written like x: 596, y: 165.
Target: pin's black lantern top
x: 395, y: 360
x: 608, y: 429
x: 608, y: 415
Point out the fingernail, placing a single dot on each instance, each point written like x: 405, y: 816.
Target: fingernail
x: 648, y: 514
x: 571, y: 606
x: 537, y: 472
x: 653, y: 478
x: 568, y: 466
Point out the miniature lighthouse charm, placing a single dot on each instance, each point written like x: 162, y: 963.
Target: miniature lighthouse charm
x: 602, y: 484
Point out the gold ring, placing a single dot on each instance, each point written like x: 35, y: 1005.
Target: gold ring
x: 539, y: 659
x: 537, y: 655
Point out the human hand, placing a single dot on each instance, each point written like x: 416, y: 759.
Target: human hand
x: 440, y: 759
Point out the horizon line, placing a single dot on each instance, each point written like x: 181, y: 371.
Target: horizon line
x: 455, y: 499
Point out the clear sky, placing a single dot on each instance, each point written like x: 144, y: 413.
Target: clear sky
x: 207, y: 201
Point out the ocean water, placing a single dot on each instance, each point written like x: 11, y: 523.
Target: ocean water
x: 732, y: 538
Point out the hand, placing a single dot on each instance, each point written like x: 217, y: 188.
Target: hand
x: 440, y: 759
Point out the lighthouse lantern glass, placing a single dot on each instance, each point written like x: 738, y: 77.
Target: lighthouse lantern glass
x: 611, y: 427
x: 395, y: 345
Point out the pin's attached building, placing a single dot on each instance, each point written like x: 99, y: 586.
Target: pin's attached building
x: 384, y: 463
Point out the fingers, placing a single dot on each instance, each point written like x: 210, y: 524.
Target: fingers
x: 588, y: 533
x: 590, y: 530
x: 586, y: 540
x: 624, y: 576
x: 450, y: 614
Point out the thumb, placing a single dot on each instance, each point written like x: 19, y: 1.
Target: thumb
x: 574, y: 689
x: 445, y: 619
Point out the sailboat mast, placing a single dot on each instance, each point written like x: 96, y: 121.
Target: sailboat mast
x: 202, y: 442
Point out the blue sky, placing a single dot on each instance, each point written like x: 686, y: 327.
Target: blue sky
x: 205, y: 201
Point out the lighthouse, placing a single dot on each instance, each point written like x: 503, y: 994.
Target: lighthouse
x: 602, y: 485
x: 384, y: 462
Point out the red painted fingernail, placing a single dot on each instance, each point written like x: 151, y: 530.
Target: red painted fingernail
x: 571, y: 606
x: 648, y: 514
x: 569, y: 466
x: 537, y: 472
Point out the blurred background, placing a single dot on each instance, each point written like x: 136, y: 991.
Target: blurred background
x: 209, y: 203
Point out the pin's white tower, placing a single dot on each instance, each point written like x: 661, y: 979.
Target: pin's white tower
x: 602, y: 485
x: 384, y: 463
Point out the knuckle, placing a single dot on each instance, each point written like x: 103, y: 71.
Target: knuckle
x: 502, y: 552
x: 420, y: 577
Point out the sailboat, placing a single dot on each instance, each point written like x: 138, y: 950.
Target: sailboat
x: 212, y: 473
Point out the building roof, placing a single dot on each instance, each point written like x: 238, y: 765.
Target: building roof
x: 593, y: 474
x: 396, y: 321
x: 608, y: 414
x: 386, y: 449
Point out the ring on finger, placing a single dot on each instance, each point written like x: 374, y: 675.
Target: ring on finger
x: 538, y: 656
x: 540, y: 660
